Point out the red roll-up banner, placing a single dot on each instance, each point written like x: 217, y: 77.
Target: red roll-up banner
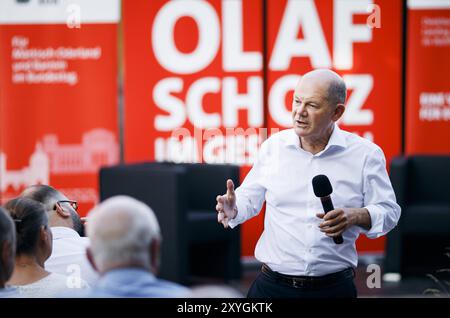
x: 360, y: 40
x: 58, y: 95
x: 427, y: 82
x: 193, y: 73
x: 194, y: 69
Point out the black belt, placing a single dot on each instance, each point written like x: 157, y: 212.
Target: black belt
x: 310, y: 281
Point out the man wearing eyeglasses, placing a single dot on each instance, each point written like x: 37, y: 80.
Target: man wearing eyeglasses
x: 69, y: 245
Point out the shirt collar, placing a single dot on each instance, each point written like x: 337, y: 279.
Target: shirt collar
x: 337, y: 138
x: 126, y: 274
x: 60, y: 232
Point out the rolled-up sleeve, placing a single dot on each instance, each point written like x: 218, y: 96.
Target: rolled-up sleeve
x: 379, y: 197
x: 250, y: 195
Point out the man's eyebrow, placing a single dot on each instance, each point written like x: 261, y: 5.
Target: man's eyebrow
x: 306, y: 99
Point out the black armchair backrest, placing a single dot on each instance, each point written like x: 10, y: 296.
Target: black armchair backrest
x: 173, y: 191
x: 421, y: 179
x: 429, y: 179
x: 206, y: 181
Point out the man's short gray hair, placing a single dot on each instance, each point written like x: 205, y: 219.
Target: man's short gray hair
x: 337, y: 92
x: 121, y: 229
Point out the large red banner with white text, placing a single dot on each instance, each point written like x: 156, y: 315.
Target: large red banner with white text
x: 201, y: 87
x: 427, y: 82
x: 193, y: 73
x: 360, y: 40
x: 58, y: 96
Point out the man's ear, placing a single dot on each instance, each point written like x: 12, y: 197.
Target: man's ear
x: 61, y: 212
x: 44, y: 235
x: 338, y: 112
x: 90, y: 258
x: 154, y: 256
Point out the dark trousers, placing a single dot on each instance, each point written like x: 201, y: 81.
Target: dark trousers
x: 270, y: 284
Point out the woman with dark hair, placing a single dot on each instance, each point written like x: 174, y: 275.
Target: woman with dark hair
x: 7, y: 253
x: 34, y: 247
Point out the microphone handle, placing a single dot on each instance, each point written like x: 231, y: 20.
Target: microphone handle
x: 327, y: 205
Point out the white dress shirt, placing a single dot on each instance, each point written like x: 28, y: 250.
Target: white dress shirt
x: 292, y: 242
x: 69, y: 255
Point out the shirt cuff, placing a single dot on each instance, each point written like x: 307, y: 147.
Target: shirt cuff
x: 240, y: 216
x: 377, y: 220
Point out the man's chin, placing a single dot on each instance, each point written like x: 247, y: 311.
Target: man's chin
x: 301, y: 132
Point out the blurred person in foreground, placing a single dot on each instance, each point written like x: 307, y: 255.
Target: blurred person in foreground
x: 7, y: 254
x: 69, y: 246
x: 125, y: 242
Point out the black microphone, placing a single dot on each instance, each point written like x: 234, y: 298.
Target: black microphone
x: 322, y: 189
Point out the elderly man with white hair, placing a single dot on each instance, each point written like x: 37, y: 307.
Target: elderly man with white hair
x: 125, y: 240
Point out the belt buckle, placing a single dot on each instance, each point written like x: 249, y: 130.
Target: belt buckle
x: 297, y: 283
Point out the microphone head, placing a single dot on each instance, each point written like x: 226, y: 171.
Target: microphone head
x: 321, y: 186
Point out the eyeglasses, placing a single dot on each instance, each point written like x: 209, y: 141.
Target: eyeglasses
x: 73, y: 204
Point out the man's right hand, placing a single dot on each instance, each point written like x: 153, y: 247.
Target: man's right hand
x: 226, y: 205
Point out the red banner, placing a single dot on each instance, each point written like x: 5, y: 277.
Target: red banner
x: 192, y: 71
x: 58, y: 98
x: 360, y: 40
x: 428, y: 83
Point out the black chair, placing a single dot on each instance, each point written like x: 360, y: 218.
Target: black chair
x: 183, y: 197
x: 422, y: 186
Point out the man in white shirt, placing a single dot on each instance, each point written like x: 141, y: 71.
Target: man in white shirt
x: 296, y: 247
x: 69, y: 248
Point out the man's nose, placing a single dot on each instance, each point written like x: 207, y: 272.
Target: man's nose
x: 302, y: 111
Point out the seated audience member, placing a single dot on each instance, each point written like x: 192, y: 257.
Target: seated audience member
x: 33, y: 248
x: 125, y: 240
x: 7, y: 253
x: 69, y: 248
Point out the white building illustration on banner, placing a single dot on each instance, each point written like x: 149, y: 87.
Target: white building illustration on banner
x: 36, y: 172
x: 98, y: 148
